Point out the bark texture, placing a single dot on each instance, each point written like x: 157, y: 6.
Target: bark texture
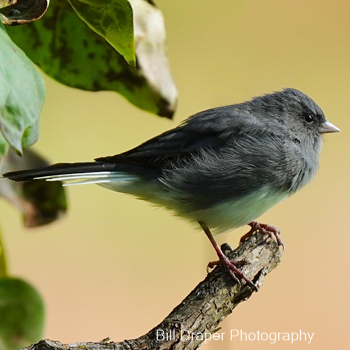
x: 200, y: 313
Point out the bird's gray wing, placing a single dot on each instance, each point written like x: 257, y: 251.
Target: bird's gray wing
x: 206, y: 130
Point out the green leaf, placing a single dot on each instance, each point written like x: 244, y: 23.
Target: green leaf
x: 22, y: 314
x: 4, y: 146
x: 47, y: 198
x: 3, y: 268
x: 22, y: 93
x: 40, y: 202
x: 113, y: 20
x: 69, y: 51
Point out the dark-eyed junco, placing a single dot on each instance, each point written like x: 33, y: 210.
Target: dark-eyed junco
x: 221, y: 168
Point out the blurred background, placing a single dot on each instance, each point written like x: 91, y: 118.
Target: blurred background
x: 115, y: 267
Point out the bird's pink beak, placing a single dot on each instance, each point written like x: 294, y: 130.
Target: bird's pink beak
x: 328, y: 127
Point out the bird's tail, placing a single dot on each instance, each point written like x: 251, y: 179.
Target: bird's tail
x: 73, y: 173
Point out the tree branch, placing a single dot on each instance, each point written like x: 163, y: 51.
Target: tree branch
x: 199, y: 315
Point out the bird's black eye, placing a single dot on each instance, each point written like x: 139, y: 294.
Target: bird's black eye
x: 309, y: 118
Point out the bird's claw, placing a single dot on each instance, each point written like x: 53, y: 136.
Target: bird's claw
x: 232, y: 268
x: 269, y: 230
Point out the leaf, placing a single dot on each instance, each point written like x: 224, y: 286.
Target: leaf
x: 3, y: 267
x: 22, y: 93
x: 65, y: 48
x: 113, y: 20
x: 22, y: 11
x: 4, y: 146
x: 4, y: 3
x: 151, y: 49
x: 40, y: 202
x: 22, y: 314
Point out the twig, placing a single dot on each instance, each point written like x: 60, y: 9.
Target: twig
x: 199, y: 315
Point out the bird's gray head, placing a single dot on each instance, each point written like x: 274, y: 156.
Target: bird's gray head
x: 296, y: 111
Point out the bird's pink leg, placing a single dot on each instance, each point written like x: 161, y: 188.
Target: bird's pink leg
x: 231, y: 265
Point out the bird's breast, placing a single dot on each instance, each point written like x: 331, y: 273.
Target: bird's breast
x: 236, y: 212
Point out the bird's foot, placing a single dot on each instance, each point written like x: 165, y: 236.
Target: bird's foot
x: 269, y: 230
x: 232, y: 267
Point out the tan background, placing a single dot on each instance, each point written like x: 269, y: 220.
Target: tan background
x: 116, y: 266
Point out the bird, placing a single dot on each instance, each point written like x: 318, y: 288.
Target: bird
x: 221, y: 168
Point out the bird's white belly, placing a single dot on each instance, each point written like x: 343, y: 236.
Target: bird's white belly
x: 219, y: 218
x: 234, y: 213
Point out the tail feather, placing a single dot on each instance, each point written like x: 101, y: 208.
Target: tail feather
x: 73, y: 176
x: 63, y: 171
x: 98, y: 179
